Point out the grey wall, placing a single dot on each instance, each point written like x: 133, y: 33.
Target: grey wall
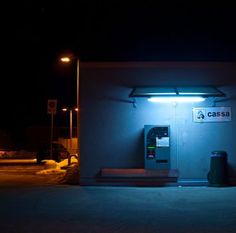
x: 112, y: 128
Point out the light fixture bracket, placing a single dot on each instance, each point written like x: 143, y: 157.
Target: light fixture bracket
x: 185, y: 91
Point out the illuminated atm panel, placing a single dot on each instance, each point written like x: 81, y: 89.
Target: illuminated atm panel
x: 157, y: 147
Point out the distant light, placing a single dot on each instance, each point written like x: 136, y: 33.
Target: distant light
x: 176, y: 99
x: 64, y: 109
x: 76, y: 109
x: 65, y: 59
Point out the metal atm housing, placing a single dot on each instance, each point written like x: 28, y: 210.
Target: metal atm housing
x: 157, y: 147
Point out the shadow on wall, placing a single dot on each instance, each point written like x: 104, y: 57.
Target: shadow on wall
x: 136, y: 153
x: 140, y: 147
x: 109, y: 98
x: 225, y: 99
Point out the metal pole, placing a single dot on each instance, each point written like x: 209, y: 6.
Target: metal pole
x: 78, y: 107
x: 51, y: 135
x: 71, y: 125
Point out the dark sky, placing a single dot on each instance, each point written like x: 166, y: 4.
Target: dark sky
x: 35, y: 33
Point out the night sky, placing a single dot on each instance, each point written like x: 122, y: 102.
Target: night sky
x: 35, y: 33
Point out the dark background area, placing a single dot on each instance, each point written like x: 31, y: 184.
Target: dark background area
x: 36, y: 33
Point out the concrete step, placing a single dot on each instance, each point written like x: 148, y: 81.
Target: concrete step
x: 138, y: 172
x: 138, y: 177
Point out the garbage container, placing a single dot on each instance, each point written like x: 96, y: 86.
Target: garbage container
x: 218, y: 174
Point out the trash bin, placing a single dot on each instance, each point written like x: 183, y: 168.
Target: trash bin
x: 218, y: 174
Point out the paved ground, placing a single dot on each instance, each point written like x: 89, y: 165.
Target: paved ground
x: 33, y: 203
x: 117, y: 209
x: 22, y: 172
x: 26, y: 172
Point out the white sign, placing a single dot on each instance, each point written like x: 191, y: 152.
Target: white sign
x: 212, y: 114
x: 52, y: 106
x: 163, y: 142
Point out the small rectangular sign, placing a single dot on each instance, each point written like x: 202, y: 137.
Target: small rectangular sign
x: 212, y: 114
x: 163, y: 142
x: 52, y: 106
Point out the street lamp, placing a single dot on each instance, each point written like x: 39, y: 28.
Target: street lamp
x: 67, y: 59
x: 71, y: 118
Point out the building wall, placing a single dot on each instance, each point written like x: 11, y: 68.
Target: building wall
x: 112, y: 127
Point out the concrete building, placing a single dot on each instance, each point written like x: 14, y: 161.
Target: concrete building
x: 112, y: 121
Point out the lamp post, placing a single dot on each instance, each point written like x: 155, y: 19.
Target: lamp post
x: 78, y: 105
x: 67, y: 59
x: 71, y: 118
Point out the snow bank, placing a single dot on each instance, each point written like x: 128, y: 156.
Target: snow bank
x: 50, y: 164
x: 51, y: 171
x: 52, y: 167
x: 72, y: 175
x: 64, y: 162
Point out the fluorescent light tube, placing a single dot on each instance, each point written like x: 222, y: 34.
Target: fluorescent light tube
x: 180, y: 99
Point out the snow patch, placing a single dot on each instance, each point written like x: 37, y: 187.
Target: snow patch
x: 51, y: 164
x: 64, y: 162
x: 52, y: 167
x: 51, y: 171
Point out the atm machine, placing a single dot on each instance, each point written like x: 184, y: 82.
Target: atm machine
x: 157, y: 147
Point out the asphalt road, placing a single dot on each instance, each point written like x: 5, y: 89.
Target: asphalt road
x: 34, y: 203
x: 22, y: 172
x: 79, y: 209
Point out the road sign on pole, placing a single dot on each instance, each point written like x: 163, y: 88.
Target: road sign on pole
x: 52, y: 106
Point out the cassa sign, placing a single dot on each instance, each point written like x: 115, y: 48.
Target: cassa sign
x: 212, y: 114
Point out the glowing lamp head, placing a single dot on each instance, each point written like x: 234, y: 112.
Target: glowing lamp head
x: 64, y: 109
x: 65, y: 59
x: 179, y: 99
